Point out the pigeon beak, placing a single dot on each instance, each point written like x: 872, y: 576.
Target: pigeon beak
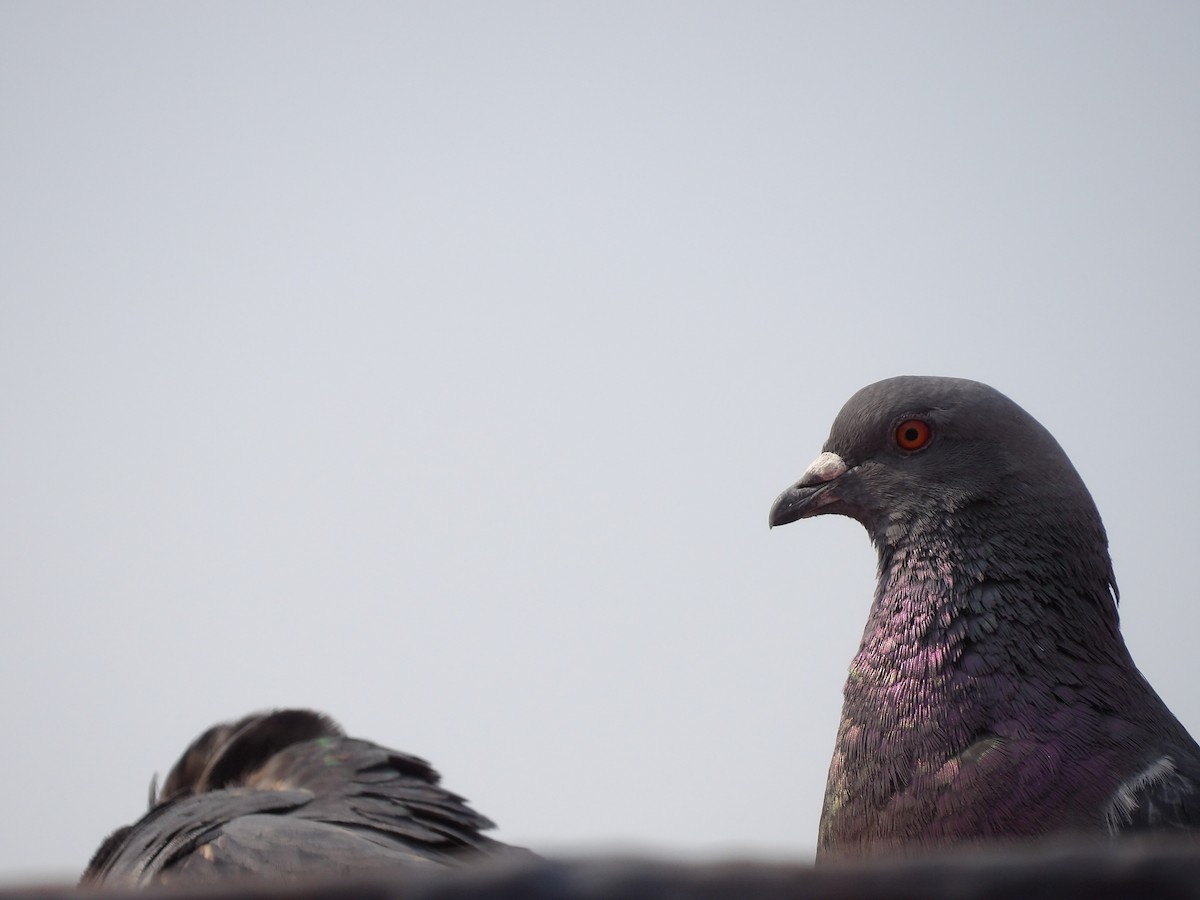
x: 812, y: 492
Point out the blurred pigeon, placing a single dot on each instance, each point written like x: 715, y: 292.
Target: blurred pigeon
x: 992, y: 698
x: 287, y: 795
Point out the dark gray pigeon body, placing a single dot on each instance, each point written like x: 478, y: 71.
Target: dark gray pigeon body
x: 286, y: 795
x: 992, y: 698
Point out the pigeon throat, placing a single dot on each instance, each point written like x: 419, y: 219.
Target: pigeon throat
x: 954, y: 605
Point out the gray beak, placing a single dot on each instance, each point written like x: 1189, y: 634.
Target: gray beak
x: 812, y: 492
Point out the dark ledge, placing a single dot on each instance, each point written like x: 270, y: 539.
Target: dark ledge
x: 1137, y: 870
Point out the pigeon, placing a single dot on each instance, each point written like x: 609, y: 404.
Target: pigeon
x: 992, y: 699
x: 286, y: 795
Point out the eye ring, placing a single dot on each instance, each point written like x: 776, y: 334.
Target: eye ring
x: 913, y: 434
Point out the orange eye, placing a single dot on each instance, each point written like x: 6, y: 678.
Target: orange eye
x: 913, y: 434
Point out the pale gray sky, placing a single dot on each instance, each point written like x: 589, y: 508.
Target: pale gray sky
x: 435, y: 365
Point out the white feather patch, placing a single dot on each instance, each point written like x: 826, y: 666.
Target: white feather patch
x: 1125, y: 797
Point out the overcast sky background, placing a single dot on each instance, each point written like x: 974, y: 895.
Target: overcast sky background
x: 435, y: 365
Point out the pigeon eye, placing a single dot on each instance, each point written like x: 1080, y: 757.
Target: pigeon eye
x: 913, y: 434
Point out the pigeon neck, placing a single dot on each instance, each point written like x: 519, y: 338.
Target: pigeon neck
x: 961, y: 595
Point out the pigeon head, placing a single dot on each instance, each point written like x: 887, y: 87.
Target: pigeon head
x: 916, y: 451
